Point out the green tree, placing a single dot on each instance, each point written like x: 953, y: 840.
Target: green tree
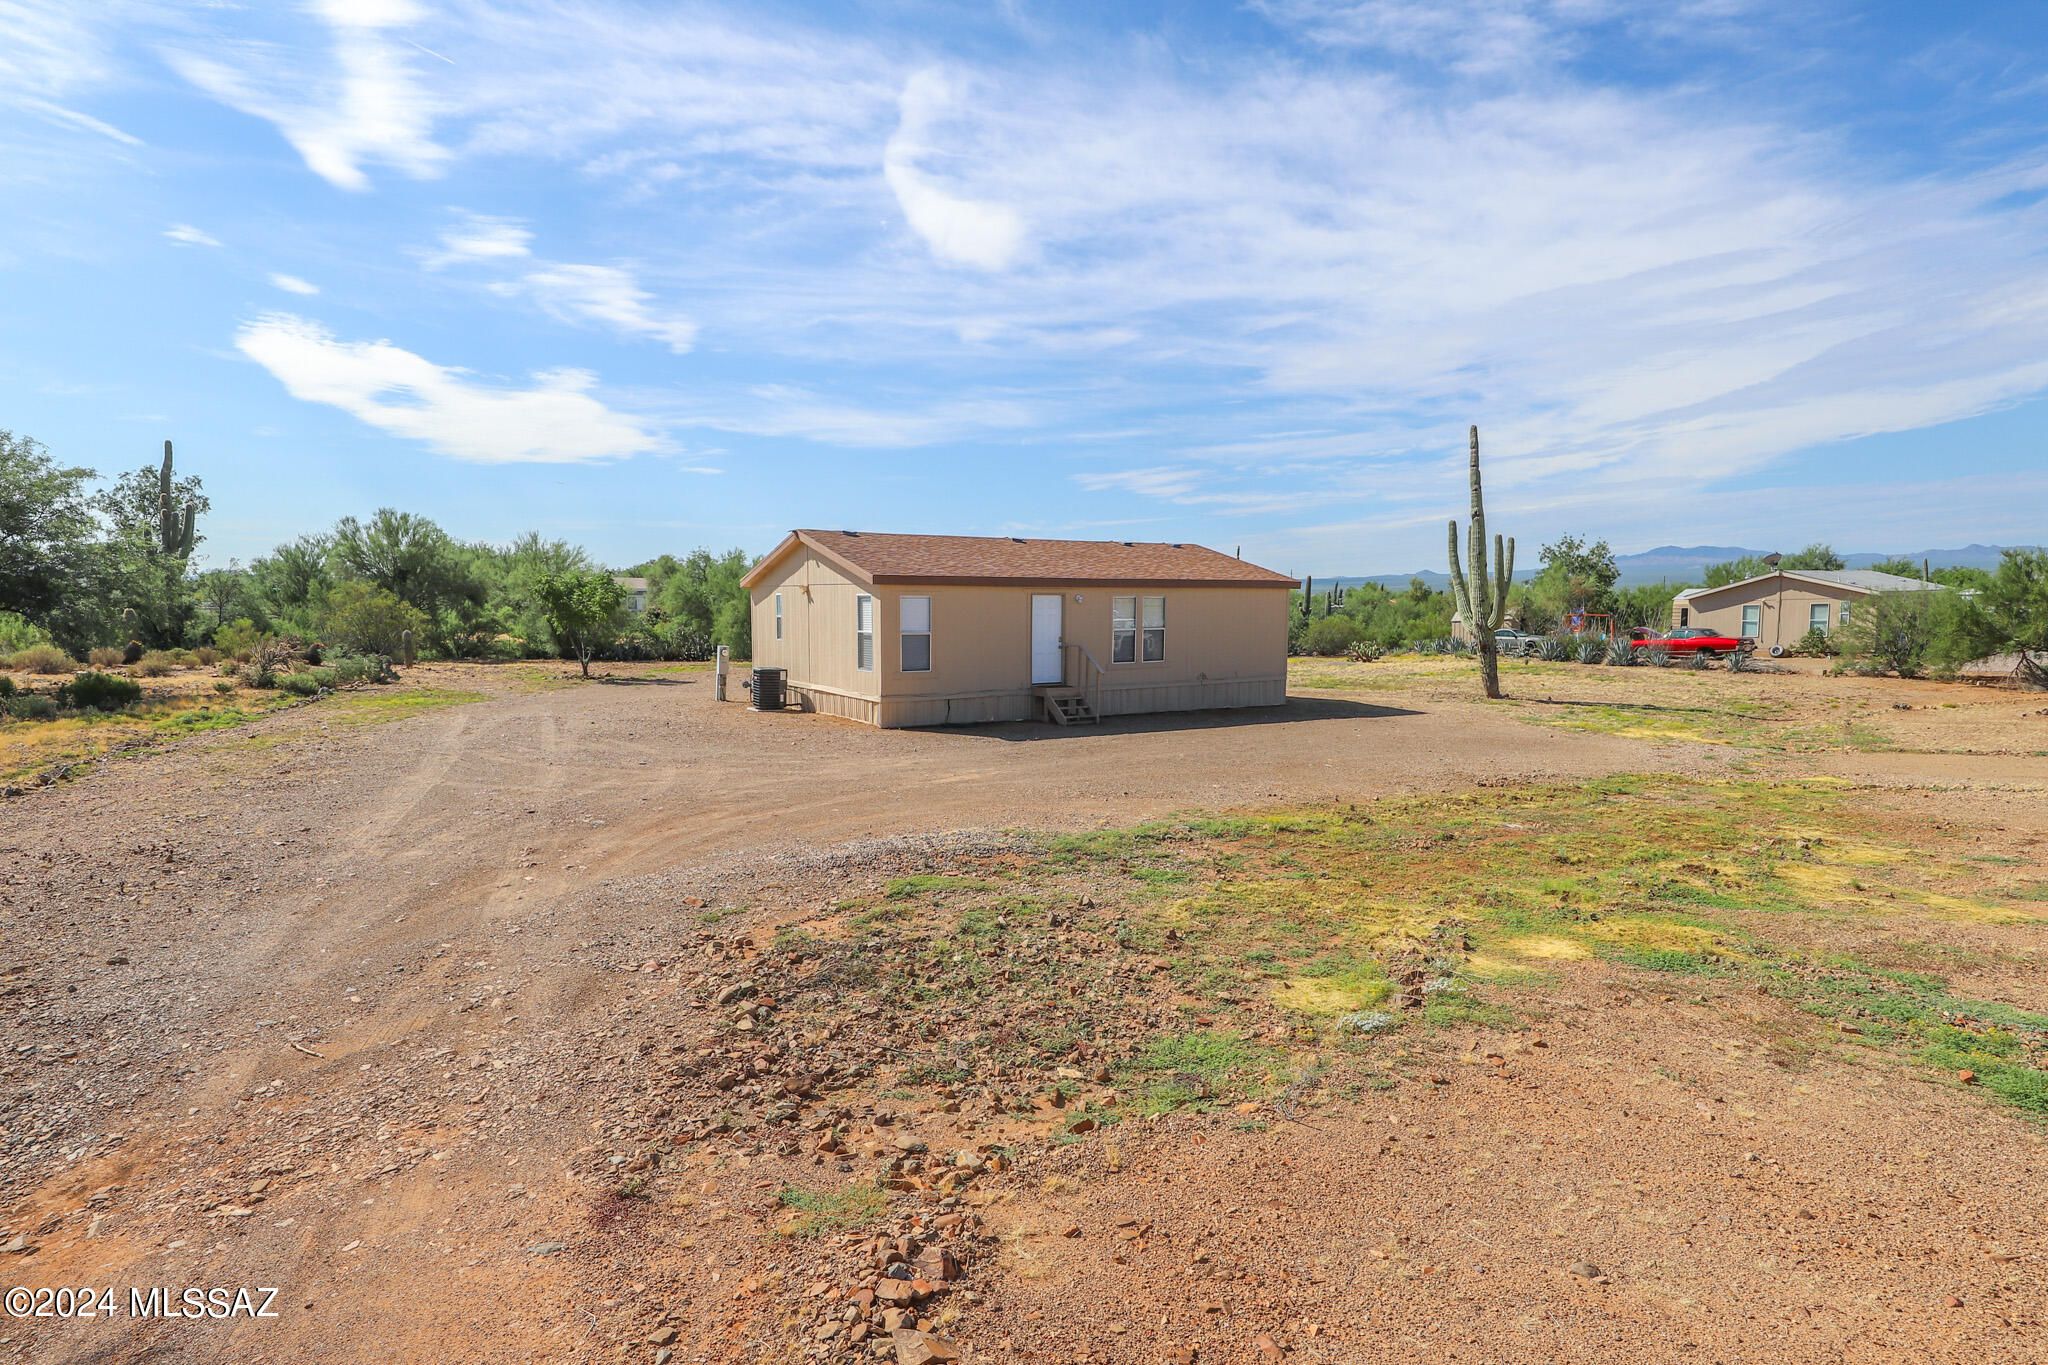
x: 292, y: 582
x: 221, y: 591
x: 1903, y: 568
x: 2009, y: 615
x: 361, y: 618
x: 1815, y: 556
x: 582, y: 609
x: 1645, y: 604
x: 1893, y: 631
x: 48, y: 539
x: 417, y: 562
x: 147, y: 575
x: 1581, y: 575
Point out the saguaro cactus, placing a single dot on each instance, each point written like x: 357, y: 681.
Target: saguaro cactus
x: 174, y: 533
x: 1482, y: 601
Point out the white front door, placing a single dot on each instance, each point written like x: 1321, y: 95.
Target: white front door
x: 1045, y: 637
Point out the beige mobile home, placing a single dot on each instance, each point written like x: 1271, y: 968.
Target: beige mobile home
x: 899, y: 630
x: 1776, y: 609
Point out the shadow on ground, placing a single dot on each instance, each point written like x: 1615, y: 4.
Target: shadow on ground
x: 1295, y: 710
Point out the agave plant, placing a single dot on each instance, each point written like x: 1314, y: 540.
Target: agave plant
x: 1620, y: 653
x: 1741, y: 662
x: 1456, y: 646
x: 1656, y: 656
x: 1699, y: 662
x: 1554, y: 649
x: 1591, y: 650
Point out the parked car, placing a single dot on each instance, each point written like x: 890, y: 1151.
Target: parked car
x: 1513, y: 642
x: 1694, y: 640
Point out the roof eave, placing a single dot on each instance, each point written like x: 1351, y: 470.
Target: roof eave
x: 1071, y: 581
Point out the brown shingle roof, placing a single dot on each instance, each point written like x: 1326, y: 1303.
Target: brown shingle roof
x: 885, y: 557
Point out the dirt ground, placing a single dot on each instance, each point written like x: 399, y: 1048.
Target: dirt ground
x: 503, y: 1016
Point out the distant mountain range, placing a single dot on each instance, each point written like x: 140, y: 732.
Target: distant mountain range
x: 1685, y: 564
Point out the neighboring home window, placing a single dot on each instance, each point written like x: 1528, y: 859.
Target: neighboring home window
x: 864, y: 633
x: 1137, y: 628
x: 778, y: 616
x: 1752, y: 621
x: 1685, y: 616
x: 915, y: 616
x: 1817, y: 617
x: 1845, y: 614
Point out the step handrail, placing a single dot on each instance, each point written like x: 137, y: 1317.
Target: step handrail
x: 1092, y: 687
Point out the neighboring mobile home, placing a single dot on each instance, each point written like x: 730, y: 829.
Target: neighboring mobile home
x: 899, y: 630
x: 1776, y: 609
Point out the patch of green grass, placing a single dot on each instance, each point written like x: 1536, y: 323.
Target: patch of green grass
x: 1674, y: 960
x: 1193, y: 1071
x: 826, y: 1211
x: 903, y: 888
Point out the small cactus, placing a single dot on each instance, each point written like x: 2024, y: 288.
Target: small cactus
x: 405, y: 647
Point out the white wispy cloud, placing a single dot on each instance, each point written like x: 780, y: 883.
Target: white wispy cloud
x: 292, y: 284
x: 605, y: 295
x: 554, y: 419
x: 480, y: 238
x: 958, y: 230
x: 1286, y: 272
x: 361, y: 102
x: 184, y: 234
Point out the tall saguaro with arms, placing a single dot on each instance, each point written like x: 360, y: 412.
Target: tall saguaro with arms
x: 1484, y: 603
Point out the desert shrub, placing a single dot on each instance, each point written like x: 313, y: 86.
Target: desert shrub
x: 354, y: 668
x: 99, y: 692
x: 206, y: 656
x: 17, y: 632
x: 236, y: 641
x: 29, y: 706
x: 41, y: 659
x: 1331, y: 635
x: 106, y: 656
x: 224, y: 686
x: 1813, y: 645
x: 298, y: 684
x: 132, y: 652
x: 1893, y: 631
x: 183, y: 658
x: 362, y: 618
x: 1366, y: 652
x: 155, y: 664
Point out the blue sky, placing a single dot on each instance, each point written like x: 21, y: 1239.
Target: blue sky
x: 651, y: 276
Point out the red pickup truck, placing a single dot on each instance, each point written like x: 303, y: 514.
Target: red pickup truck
x: 1691, y: 640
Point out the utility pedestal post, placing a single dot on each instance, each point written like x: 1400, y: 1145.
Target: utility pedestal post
x: 719, y: 676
